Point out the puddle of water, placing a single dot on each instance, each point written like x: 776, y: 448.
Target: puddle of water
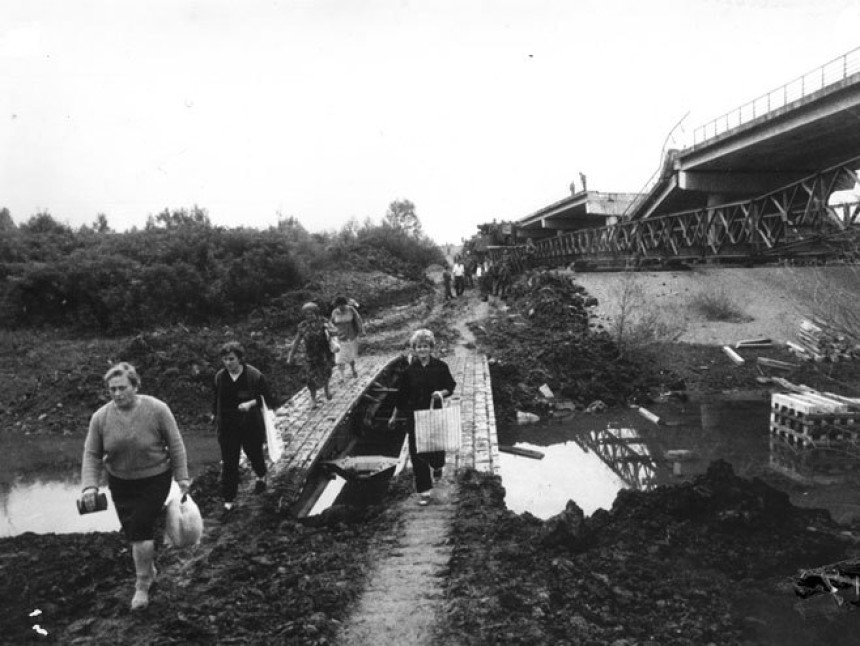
x: 589, y: 458
x: 566, y: 472
x: 40, y: 484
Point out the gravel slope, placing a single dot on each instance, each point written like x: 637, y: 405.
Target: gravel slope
x: 776, y: 299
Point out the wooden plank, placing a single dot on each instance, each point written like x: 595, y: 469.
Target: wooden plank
x: 775, y: 363
x: 516, y: 450
x: 734, y: 356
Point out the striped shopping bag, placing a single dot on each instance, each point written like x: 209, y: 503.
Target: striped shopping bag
x: 438, y: 429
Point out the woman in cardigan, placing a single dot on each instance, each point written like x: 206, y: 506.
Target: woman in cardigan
x: 315, y: 331
x: 424, y: 379
x: 349, y: 326
x: 136, y: 438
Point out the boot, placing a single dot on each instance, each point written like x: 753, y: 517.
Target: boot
x: 144, y: 555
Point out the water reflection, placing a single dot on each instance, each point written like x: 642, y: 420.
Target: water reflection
x: 40, y: 484
x: 47, y: 507
x: 566, y: 472
x: 589, y: 458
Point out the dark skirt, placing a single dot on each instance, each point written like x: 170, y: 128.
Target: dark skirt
x: 139, y: 502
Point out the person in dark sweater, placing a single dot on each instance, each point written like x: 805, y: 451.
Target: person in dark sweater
x: 426, y: 377
x: 240, y: 390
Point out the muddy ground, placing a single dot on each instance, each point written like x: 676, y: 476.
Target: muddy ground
x: 691, y: 564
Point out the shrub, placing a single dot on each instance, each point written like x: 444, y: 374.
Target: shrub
x: 638, y: 324
x: 719, y: 305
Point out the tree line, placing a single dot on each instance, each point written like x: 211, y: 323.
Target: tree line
x: 180, y: 268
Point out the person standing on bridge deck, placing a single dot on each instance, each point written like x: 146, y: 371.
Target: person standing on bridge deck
x: 426, y: 377
x: 316, y: 333
x: 237, y: 409
x: 349, y: 326
x: 136, y: 439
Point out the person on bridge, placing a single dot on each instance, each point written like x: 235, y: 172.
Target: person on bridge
x: 237, y: 409
x: 316, y: 333
x: 137, y: 440
x: 349, y: 326
x: 426, y: 377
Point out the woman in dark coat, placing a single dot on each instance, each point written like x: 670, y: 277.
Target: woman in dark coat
x: 424, y: 379
x: 237, y: 405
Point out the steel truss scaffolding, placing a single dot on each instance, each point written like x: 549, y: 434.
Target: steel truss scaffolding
x: 793, y: 221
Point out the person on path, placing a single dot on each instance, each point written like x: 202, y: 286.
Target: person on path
x: 424, y: 379
x: 137, y: 440
x: 459, y: 278
x: 469, y: 272
x: 237, y: 409
x: 316, y: 333
x: 349, y: 326
x: 504, y: 277
x: 446, y: 282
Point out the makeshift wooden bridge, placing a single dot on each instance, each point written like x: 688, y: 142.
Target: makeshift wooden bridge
x: 309, y: 433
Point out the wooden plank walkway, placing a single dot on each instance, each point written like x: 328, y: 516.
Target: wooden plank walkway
x: 305, y: 431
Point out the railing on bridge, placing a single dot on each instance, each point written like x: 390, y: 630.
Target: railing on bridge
x: 830, y: 73
x: 782, y: 222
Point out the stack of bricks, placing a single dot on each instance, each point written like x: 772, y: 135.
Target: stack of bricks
x: 812, y: 419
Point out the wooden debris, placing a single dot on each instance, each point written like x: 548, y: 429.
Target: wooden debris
x: 679, y: 455
x: 647, y: 414
x: 546, y: 391
x: 775, y: 363
x: 516, y: 450
x: 817, y: 340
x: 754, y: 343
x: 527, y: 418
x: 734, y: 356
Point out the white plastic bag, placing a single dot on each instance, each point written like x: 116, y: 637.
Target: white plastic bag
x: 273, y: 441
x: 183, y: 521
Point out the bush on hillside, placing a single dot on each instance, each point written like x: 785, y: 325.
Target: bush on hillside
x: 180, y: 268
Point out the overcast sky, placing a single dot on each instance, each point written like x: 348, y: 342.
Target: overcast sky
x: 330, y: 110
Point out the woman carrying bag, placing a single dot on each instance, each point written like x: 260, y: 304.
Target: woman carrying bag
x: 425, y: 379
x: 237, y: 408
x: 136, y: 438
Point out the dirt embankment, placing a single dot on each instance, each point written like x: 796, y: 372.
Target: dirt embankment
x: 773, y: 300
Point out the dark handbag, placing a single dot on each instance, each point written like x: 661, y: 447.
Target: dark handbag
x: 101, y: 504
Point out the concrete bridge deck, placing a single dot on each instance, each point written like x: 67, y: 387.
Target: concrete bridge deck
x: 305, y: 431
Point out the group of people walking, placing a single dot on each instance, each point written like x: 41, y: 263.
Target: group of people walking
x: 136, y: 439
x: 494, y: 277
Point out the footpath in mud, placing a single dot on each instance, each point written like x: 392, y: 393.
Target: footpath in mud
x: 711, y: 561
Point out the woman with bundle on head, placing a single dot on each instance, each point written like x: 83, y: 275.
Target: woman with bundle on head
x: 349, y: 326
x: 316, y: 333
x: 136, y: 438
x: 424, y: 379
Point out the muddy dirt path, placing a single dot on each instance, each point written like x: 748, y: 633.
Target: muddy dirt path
x: 404, y: 596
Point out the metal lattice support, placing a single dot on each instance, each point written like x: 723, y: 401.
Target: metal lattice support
x: 783, y: 221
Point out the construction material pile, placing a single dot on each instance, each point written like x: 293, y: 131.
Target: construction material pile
x: 819, y: 341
